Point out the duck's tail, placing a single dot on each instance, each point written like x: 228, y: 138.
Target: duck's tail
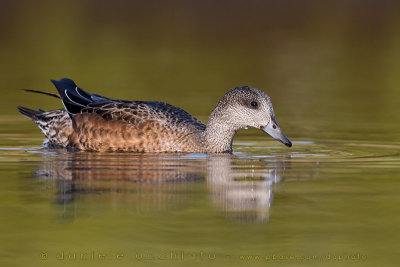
x: 35, y: 115
x: 56, y: 125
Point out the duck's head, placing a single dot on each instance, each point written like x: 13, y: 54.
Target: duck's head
x: 245, y: 106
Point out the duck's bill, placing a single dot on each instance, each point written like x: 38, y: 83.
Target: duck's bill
x: 273, y: 130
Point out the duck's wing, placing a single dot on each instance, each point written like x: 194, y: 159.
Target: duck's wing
x: 77, y: 101
x: 74, y: 98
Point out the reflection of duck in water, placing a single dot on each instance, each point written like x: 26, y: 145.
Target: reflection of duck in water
x: 97, y: 123
x: 244, y: 194
x: 145, y: 181
x: 162, y: 181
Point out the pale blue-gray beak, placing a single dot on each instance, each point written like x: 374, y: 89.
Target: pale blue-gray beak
x: 273, y: 130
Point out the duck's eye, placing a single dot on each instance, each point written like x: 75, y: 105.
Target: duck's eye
x: 254, y: 104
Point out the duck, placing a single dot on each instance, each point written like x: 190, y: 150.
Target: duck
x: 91, y: 122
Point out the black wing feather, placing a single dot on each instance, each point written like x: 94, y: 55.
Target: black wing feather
x: 74, y: 98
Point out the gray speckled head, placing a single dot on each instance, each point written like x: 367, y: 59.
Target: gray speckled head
x: 246, y: 107
x: 240, y: 108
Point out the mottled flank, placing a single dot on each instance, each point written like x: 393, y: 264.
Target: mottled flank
x: 95, y: 123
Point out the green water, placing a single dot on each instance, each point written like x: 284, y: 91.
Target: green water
x: 331, y: 70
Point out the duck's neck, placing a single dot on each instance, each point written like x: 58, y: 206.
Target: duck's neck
x: 219, y: 133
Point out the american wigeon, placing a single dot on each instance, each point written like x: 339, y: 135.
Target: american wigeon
x: 97, y: 123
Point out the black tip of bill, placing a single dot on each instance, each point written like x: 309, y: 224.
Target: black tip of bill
x: 288, y: 143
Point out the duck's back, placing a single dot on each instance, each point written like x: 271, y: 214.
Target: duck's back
x: 137, y: 112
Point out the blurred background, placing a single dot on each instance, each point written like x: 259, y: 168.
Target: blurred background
x: 337, y: 60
